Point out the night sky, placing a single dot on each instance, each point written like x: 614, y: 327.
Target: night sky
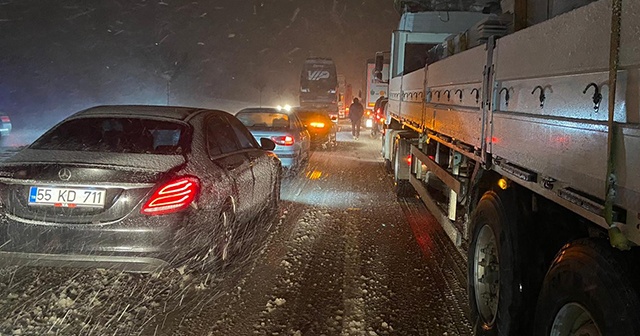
x: 61, y: 56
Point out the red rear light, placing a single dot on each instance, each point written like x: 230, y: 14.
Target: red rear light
x: 175, y: 195
x: 5, y: 119
x: 408, y: 159
x: 286, y: 140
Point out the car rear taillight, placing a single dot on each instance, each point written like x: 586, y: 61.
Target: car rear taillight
x: 317, y: 124
x: 173, y: 196
x: 286, y: 140
x: 5, y: 119
x: 408, y: 159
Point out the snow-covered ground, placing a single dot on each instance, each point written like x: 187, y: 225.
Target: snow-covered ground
x: 344, y: 257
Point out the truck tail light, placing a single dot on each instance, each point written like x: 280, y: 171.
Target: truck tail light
x: 408, y: 159
x: 286, y: 140
x: 173, y: 196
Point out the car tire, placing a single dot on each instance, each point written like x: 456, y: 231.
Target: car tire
x: 387, y: 166
x: 224, y: 246
x: 274, y: 199
x: 497, y: 302
x: 589, y: 287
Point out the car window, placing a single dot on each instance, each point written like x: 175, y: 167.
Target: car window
x: 213, y: 147
x: 220, y: 136
x: 309, y: 116
x: 116, y: 135
x: 264, y: 119
x: 245, y: 138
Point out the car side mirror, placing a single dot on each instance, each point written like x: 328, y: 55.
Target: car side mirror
x: 267, y: 144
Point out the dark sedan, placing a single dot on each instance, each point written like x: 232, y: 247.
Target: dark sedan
x: 321, y: 127
x: 137, y: 187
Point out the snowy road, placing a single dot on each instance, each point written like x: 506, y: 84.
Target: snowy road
x: 344, y: 258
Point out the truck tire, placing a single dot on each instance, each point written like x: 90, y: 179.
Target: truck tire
x: 402, y: 187
x: 588, y: 290
x: 496, y: 267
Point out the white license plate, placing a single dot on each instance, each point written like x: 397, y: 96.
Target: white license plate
x: 67, y: 197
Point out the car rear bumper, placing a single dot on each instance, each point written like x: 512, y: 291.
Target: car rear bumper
x: 288, y: 159
x: 123, y: 246
x: 130, y: 264
x: 321, y: 138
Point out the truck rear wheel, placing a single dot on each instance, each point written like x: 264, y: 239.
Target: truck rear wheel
x: 403, y: 188
x: 588, y: 291
x: 496, y: 266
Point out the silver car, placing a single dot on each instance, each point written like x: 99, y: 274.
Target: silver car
x: 137, y: 187
x: 283, y: 127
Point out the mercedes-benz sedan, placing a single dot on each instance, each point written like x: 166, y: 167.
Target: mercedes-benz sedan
x: 136, y: 187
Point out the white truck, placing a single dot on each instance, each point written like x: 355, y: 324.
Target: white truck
x: 376, y: 88
x: 526, y: 148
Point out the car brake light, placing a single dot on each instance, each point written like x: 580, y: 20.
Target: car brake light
x: 5, y: 119
x: 408, y: 159
x: 175, y: 195
x: 286, y: 140
x: 317, y: 124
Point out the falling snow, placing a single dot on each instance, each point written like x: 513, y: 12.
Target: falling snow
x: 331, y: 262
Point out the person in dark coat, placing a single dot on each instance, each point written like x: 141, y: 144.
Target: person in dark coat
x: 356, y: 111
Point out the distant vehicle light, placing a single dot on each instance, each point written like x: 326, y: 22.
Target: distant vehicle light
x: 173, y: 196
x: 286, y: 140
x: 287, y: 107
x: 408, y: 159
x: 305, y: 90
x: 5, y: 119
x: 279, y: 108
x: 317, y: 124
x: 369, y: 123
x: 332, y: 91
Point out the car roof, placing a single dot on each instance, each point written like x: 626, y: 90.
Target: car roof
x: 168, y: 112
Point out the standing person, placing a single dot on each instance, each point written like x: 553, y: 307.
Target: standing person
x: 356, y: 110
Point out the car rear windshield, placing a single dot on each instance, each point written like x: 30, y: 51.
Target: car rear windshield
x: 116, y: 135
x: 264, y: 119
x: 307, y: 116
